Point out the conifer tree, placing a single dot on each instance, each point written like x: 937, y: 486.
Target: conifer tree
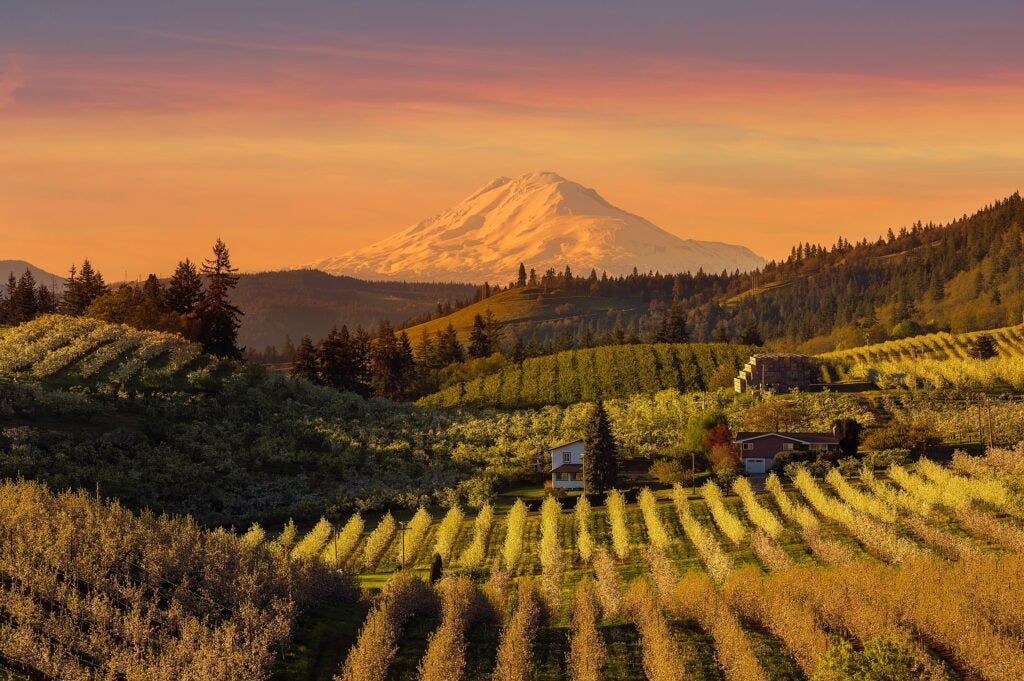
x: 22, y: 304
x: 673, y: 325
x: 81, y: 289
x: 305, y: 364
x: 480, y: 344
x: 983, y: 347
x: 521, y: 279
x: 751, y: 335
x: 449, y: 349
x: 600, y: 452
x: 185, y: 289
x: 218, y: 318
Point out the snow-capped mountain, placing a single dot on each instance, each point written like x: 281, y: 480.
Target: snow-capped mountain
x: 542, y: 220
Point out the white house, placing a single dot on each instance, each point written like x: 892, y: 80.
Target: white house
x: 567, y: 465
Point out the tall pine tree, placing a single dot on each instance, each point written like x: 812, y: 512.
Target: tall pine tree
x: 81, y: 289
x: 305, y: 364
x: 218, y: 318
x: 185, y: 289
x: 600, y: 452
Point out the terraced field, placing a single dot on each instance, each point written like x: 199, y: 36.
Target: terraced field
x: 705, y: 587
x: 85, y: 351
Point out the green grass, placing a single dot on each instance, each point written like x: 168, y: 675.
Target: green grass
x: 320, y: 639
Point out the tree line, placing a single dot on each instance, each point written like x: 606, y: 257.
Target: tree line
x: 194, y: 302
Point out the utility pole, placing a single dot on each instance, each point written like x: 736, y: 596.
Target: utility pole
x: 981, y: 438
x: 991, y: 430
x: 693, y: 471
x: 402, y: 524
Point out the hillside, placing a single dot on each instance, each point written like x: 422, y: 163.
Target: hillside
x: 1009, y: 343
x: 540, y: 219
x: 108, y: 357
x: 308, y: 303
x: 605, y: 373
x: 536, y: 310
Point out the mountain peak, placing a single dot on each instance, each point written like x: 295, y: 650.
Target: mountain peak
x: 543, y: 220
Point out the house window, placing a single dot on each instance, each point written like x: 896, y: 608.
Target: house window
x: 819, y: 447
x: 787, y: 446
x: 748, y: 445
x: 566, y: 457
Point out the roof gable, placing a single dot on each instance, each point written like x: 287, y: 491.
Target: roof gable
x: 802, y: 438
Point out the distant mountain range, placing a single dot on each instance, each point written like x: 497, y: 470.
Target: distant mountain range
x: 18, y: 267
x: 542, y: 220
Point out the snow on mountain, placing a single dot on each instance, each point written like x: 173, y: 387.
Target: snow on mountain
x: 542, y: 220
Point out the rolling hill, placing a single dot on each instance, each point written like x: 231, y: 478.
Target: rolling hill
x: 542, y: 220
x: 526, y: 311
x: 86, y: 352
x: 308, y: 303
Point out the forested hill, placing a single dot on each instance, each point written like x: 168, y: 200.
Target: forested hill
x: 962, y: 276
x: 308, y: 303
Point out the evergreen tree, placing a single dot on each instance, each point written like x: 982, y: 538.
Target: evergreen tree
x: 673, y: 325
x: 387, y: 363
x: 517, y: 353
x: 848, y: 432
x: 81, y: 289
x: 480, y: 344
x: 751, y: 335
x: 600, y: 452
x: 449, y: 349
x: 983, y: 347
x: 218, y: 318
x: 338, y: 361
x: 153, y: 292
x: 305, y: 364
x: 22, y: 304
x: 185, y: 289
x: 287, y: 349
x: 521, y: 279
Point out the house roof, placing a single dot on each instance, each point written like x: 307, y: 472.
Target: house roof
x: 564, y: 444
x: 803, y: 438
x: 568, y: 468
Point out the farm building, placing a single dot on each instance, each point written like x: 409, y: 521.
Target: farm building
x: 567, y: 465
x: 779, y: 371
x: 758, y: 450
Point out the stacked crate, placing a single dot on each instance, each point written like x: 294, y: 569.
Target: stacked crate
x: 779, y: 372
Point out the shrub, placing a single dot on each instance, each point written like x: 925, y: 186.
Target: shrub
x: 884, y: 657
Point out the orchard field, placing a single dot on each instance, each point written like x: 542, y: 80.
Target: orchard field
x: 917, y: 567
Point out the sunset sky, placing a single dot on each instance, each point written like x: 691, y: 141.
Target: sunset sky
x: 135, y: 132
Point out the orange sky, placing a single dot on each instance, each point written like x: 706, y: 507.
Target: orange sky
x: 295, y: 151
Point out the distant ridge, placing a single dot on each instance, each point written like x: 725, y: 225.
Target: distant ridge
x: 18, y: 267
x: 540, y: 219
